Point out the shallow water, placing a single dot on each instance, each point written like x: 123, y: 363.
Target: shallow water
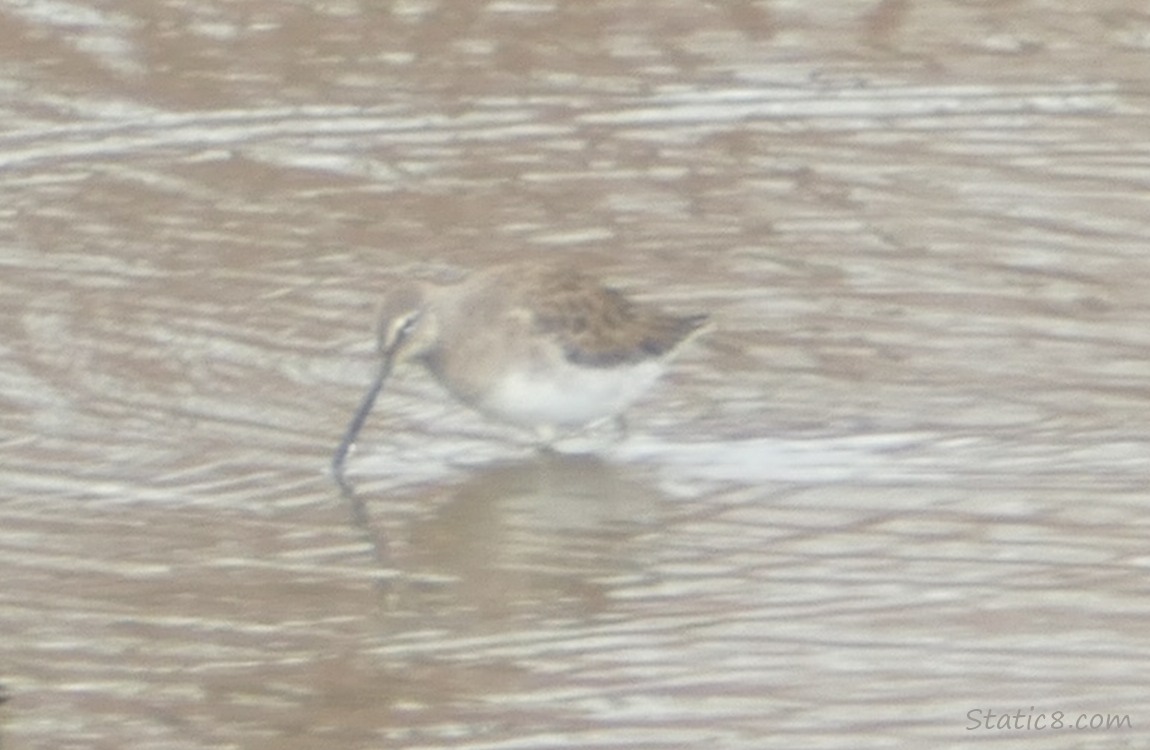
x: 904, y: 479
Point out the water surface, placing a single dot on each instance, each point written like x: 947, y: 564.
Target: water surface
x: 903, y: 480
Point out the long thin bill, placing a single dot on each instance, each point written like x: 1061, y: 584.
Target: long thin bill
x: 339, y: 458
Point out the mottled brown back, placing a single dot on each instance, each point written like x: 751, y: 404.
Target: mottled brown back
x: 599, y: 327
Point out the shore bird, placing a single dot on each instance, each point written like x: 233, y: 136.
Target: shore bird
x: 549, y: 349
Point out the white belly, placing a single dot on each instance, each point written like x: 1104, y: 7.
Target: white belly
x: 566, y: 395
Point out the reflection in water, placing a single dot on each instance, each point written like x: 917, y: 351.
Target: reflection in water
x: 546, y: 537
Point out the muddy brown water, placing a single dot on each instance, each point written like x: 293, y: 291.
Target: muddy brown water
x: 904, y: 480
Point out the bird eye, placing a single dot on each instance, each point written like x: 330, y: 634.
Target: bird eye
x: 394, y: 331
x: 407, y: 326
